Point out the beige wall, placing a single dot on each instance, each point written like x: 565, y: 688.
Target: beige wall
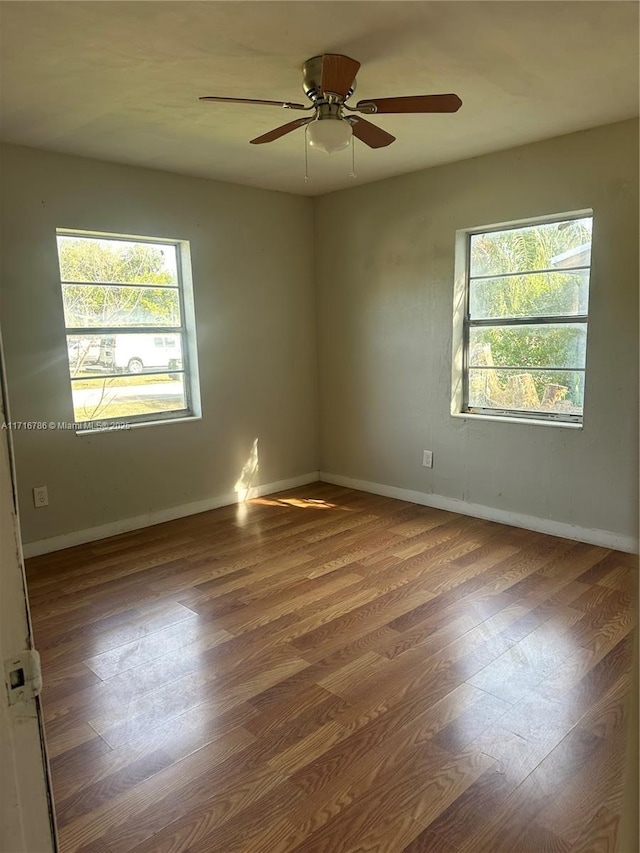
x: 384, y: 273
x: 384, y: 288
x: 252, y: 260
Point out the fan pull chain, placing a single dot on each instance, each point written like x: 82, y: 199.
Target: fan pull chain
x: 352, y: 173
x: 306, y: 154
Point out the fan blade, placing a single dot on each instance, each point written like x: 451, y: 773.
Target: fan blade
x: 338, y: 73
x: 286, y: 104
x: 370, y: 134
x: 277, y: 132
x: 412, y: 104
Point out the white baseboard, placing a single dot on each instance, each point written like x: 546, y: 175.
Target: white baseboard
x: 113, y: 528
x: 605, y: 538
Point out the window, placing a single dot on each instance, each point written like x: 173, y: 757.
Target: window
x: 129, y: 324
x: 522, y: 292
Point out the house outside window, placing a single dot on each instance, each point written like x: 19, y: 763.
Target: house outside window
x: 520, y: 319
x: 128, y: 308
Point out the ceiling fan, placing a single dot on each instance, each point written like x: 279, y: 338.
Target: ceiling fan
x: 329, y: 81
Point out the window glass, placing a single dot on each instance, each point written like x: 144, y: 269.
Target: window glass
x: 525, y: 328
x: 126, y: 329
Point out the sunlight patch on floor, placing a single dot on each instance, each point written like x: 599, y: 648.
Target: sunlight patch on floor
x: 300, y: 503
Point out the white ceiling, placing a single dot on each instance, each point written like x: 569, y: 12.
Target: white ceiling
x: 120, y: 80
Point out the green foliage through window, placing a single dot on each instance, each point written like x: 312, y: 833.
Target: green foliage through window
x: 537, y: 275
x: 125, y: 330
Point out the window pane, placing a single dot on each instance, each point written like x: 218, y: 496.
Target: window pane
x: 562, y: 345
x: 552, y: 245
x: 124, y: 396
x: 561, y: 392
x: 537, y: 295
x: 109, y: 305
x: 93, y: 259
x: 92, y: 355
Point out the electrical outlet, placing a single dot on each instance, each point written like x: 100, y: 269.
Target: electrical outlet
x: 40, y: 496
x: 427, y: 458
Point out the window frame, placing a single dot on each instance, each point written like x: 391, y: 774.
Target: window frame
x: 186, y: 332
x: 463, y: 324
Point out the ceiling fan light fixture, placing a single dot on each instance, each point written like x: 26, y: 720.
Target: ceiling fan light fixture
x: 329, y: 134
x: 328, y: 81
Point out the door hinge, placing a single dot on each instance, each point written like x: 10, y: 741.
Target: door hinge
x: 23, y: 676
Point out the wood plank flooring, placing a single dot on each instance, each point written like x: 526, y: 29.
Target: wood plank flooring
x: 328, y: 671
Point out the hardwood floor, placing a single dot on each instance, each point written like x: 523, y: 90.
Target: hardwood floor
x: 328, y: 671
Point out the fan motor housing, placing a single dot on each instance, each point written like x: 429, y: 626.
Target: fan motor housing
x: 312, y: 80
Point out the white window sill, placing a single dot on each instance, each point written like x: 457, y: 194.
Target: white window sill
x: 507, y: 420
x: 137, y: 425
